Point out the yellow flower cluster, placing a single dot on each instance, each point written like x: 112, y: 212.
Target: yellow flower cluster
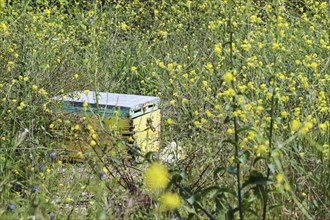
x: 156, y: 177
x: 169, y: 201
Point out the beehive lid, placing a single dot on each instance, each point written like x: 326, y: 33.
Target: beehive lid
x: 110, y: 104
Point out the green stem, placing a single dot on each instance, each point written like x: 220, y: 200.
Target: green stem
x: 238, y: 172
x: 238, y: 166
x: 264, y: 209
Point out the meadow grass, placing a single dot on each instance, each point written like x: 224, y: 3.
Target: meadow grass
x: 244, y: 89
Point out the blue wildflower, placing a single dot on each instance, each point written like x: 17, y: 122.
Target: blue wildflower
x: 102, y: 175
x: 52, y: 154
x: 41, y: 167
x: 51, y: 215
x: 34, y: 188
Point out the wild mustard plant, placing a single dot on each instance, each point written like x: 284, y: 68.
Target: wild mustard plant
x: 276, y: 77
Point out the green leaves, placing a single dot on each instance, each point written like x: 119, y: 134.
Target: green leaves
x: 232, y: 170
x: 243, y: 157
x: 256, y: 178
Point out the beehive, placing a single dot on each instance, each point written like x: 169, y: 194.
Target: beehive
x: 134, y: 118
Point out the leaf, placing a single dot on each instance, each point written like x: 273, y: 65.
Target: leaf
x: 243, y: 157
x: 258, y: 181
x: 232, y: 170
x: 189, y: 210
x: 227, y: 120
x: 229, y: 141
x: 271, y: 167
x: 191, y: 200
x: 178, y: 177
x: 256, y: 178
x: 275, y: 206
x: 149, y: 156
x: 246, y: 128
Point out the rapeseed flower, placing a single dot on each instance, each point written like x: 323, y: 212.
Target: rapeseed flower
x: 197, y: 124
x: 92, y: 143
x: 133, y: 69
x: 295, y: 124
x: 228, y: 77
x: 261, y: 149
x: 322, y: 126
x: 217, y: 49
x: 253, y: 18
x: 307, y: 126
x: 279, y: 178
x: 169, y: 121
x: 124, y: 26
x: 169, y: 201
x: 209, y: 66
x: 156, y: 177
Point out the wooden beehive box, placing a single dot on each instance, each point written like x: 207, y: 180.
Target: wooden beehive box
x: 134, y: 118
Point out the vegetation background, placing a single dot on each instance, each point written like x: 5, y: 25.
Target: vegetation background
x: 244, y: 88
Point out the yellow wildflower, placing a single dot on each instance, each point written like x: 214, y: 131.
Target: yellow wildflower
x: 209, y: 66
x: 284, y: 114
x: 172, y: 102
x: 197, y: 124
x: 313, y: 66
x: 295, y: 124
x: 286, y: 187
x: 279, y: 178
x: 261, y: 149
x: 170, y: 66
x: 230, y: 131
x: 275, y: 46
x: 169, y: 201
x: 169, y: 121
x: 228, y: 77
x: 217, y: 49
x: 185, y: 101
x: 156, y: 177
x: 92, y: 143
x: 85, y: 104
x: 133, y: 69
x: 229, y: 92
x: 307, y: 126
x: 124, y: 26
x: 253, y: 18
x: 322, y: 126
